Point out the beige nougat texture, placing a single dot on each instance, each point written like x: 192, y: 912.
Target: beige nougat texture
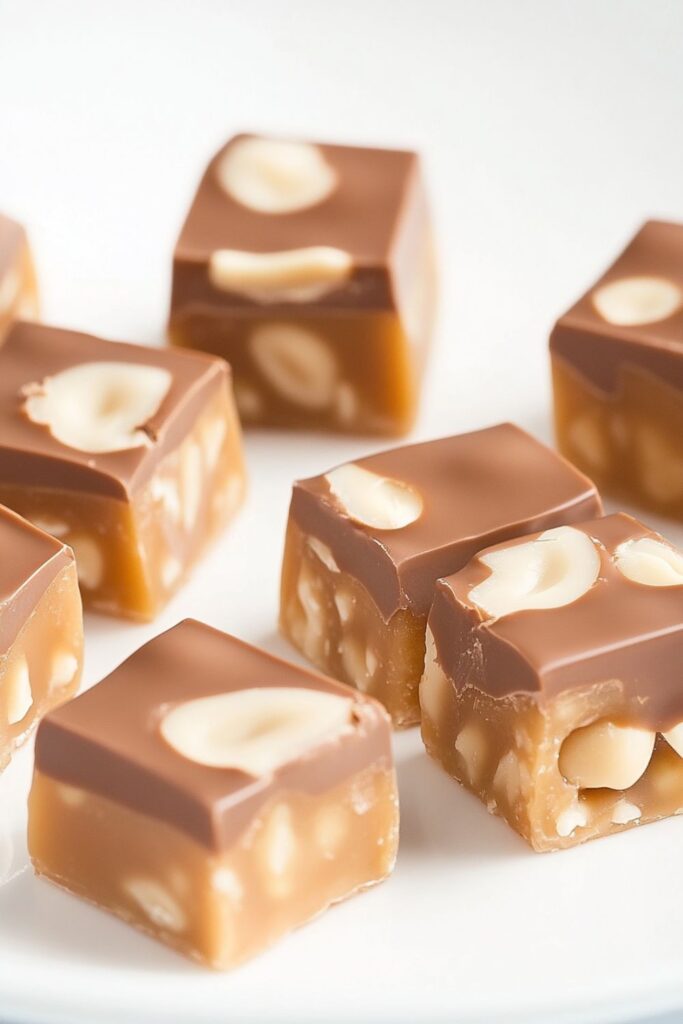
x: 630, y: 442
x: 507, y: 752
x: 332, y: 619
x: 133, y: 556
x: 300, y: 854
x: 344, y: 372
x: 42, y: 668
x: 18, y: 291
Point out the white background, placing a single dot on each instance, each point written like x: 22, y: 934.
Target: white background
x: 550, y: 131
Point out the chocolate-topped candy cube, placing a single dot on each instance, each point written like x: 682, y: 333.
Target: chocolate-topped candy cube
x: 130, y: 455
x: 367, y: 541
x: 214, y: 796
x: 617, y: 359
x: 552, y: 685
x: 41, y: 628
x: 18, y: 287
x: 310, y: 268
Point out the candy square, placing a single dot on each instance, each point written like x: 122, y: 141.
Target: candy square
x: 41, y: 628
x: 18, y: 286
x: 310, y: 268
x: 214, y: 796
x: 617, y: 359
x: 367, y: 541
x: 552, y: 686
x: 130, y: 455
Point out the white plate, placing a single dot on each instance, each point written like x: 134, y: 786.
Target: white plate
x: 472, y: 927
x: 550, y: 131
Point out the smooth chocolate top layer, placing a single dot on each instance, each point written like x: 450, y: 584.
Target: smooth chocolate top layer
x: 30, y: 456
x: 29, y: 561
x: 12, y: 238
x: 108, y: 742
x: 477, y: 489
x: 619, y: 630
x: 598, y: 350
x: 376, y: 189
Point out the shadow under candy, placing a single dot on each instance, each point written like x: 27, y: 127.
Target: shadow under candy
x: 15, y: 783
x: 439, y: 818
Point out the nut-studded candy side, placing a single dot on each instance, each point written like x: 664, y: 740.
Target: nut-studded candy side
x: 552, y: 684
x: 367, y: 541
x: 310, y: 268
x: 130, y: 455
x: 617, y: 360
x: 214, y: 796
x: 18, y: 285
x: 41, y: 628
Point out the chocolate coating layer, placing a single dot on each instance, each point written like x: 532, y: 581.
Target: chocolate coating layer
x: 29, y: 561
x: 30, y: 456
x: 598, y: 349
x: 618, y: 630
x: 477, y: 489
x: 107, y: 741
x: 375, y: 189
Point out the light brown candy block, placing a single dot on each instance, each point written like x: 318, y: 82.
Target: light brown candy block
x: 617, y: 359
x: 18, y: 286
x: 214, y: 796
x: 552, y: 685
x: 41, y: 628
x: 130, y: 455
x: 367, y: 541
x: 311, y: 269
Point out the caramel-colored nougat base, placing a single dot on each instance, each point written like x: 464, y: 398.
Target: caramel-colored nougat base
x: 42, y: 668
x: 631, y: 443
x: 506, y: 751
x: 331, y: 618
x: 132, y: 557
x: 18, y: 292
x: 299, y: 855
x: 351, y: 373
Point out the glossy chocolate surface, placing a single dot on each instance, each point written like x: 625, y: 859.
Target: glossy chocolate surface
x: 598, y: 349
x: 29, y: 561
x: 30, y: 456
x: 376, y: 189
x: 478, y: 489
x: 618, y: 630
x: 12, y: 239
x: 107, y: 741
